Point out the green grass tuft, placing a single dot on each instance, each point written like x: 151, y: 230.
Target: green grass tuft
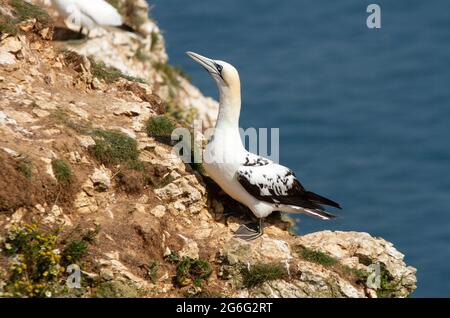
x: 7, y: 25
x: 173, y: 258
x: 260, y: 273
x: 160, y: 127
x: 387, y: 285
x: 114, y: 147
x: 110, y: 74
x: 194, y: 271
x: 136, y: 165
x: 24, y: 166
x: 318, y: 257
x: 152, y: 271
x: 25, y: 11
x: 63, y: 171
x: 22, y: 11
x: 354, y: 275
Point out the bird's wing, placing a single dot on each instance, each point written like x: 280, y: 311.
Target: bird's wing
x: 274, y: 183
x: 100, y: 11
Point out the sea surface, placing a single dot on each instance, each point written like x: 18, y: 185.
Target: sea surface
x: 364, y: 114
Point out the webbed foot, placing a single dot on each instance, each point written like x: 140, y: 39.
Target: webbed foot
x: 249, y: 232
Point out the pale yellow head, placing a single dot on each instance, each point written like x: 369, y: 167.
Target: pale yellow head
x: 228, y: 83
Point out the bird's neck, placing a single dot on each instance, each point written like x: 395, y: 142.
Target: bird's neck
x: 229, y: 108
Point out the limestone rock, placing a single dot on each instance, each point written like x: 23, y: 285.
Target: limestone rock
x: 40, y: 112
x: 7, y: 58
x: 101, y: 179
x: 190, y: 249
x: 86, y: 141
x: 158, y: 211
x: 11, y: 44
x: 169, y: 192
x: 263, y: 250
x: 127, y: 109
x: 348, y: 246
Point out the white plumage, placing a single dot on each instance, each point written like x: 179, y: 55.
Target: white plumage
x: 89, y: 13
x: 259, y: 183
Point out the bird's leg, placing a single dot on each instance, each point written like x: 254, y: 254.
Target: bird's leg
x: 247, y: 233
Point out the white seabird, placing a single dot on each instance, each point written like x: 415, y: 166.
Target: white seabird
x: 257, y: 182
x: 89, y: 14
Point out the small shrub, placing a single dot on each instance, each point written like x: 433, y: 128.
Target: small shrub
x: 113, y: 147
x: 160, y: 127
x: 192, y: 271
x: 63, y: 171
x: 136, y: 165
x: 24, y: 167
x: 260, y: 273
x: 152, y: 270
x: 34, y: 261
x: 130, y: 181
x: 36, y: 264
x: 73, y: 252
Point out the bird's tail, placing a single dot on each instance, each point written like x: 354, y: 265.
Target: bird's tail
x: 314, y: 197
x: 314, y: 212
x: 126, y: 27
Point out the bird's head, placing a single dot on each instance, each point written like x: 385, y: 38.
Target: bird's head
x: 225, y: 75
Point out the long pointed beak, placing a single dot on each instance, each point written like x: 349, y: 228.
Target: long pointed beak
x: 207, y: 63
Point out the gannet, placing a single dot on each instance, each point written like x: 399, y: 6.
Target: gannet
x: 257, y: 182
x: 89, y: 14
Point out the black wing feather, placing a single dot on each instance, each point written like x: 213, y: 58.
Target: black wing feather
x: 294, y: 194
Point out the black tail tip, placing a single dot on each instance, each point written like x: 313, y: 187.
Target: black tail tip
x: 316, y: 198
x: 126, y: 27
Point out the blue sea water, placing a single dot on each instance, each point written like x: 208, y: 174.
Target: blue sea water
x: 364, y: 114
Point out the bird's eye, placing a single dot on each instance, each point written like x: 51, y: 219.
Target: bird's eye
x: 219, y: 68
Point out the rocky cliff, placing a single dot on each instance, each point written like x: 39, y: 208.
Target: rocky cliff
x: 87, y: 177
